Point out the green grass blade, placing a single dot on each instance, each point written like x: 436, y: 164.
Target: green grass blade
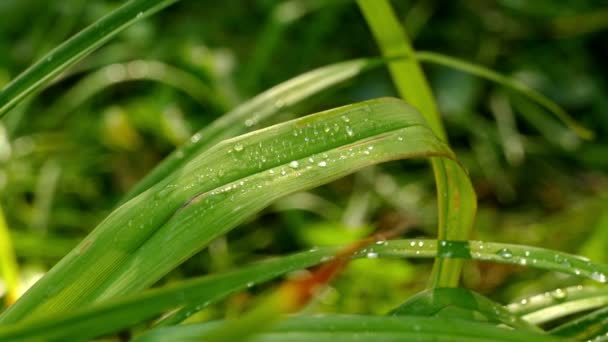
x: 75, y: 48
x: 115, y: 315
x: 135, y: 70
x: 253, y: 111
x: 8, y: 262
x: 519, y: 87
x: 460, y: 303
x: 590, y: 327
x: 333, y: 328
x: 559, y: 303
x: 218, y: 190
x: 457, y: 202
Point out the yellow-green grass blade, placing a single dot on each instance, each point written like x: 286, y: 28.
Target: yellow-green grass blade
x: 76, y: 48
x: 457, y: 202
x: 256, y: 110
x: 117, y: 314
x: 8, y: 262
x: 153, y: 233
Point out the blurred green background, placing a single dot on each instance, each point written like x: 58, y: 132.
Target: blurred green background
x: 68, y: 154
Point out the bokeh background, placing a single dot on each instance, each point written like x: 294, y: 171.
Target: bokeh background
x: 68, y: 154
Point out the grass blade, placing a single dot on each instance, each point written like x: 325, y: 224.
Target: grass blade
x: 590, y: 327
x: 117, y: 314
x: 559, y: 303
x: 75, y: 48
x: 133, y: 71
x: 333, y: 328
x: 462, y: 304
x: 257, y: 109
x: 519, y: 87
x: 218, y: 190
x: 8, y: 262
x: 457, y: 202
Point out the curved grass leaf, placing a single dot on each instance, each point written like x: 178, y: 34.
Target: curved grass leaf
x: 132, y: 71
x: 519, y: 87
x: 559, y: 303
x: 333, y: 328
x: 75, y: 48
x: 457, y: 202
x: 460, y: 303
x: 218, y: 190
x: 257, y: 109
x: 195, y: 294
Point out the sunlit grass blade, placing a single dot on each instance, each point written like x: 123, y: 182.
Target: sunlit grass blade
x: 117, y: 314
x: 218, y: 190
x: 8, y: 263
x: 552, y: 305
x: 334, y: 328
x: 457, y: 202
x: 462, y: 304
x: 254, y: 111
x: 590, y: 327
x: 519, y: 87
x: 75, y: 48
x: 135, y: 70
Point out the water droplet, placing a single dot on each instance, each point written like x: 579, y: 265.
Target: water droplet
x: 599, y: 276
x: 326, y: 129
x: 221, y: 173
x: 195, y: 138
x: 140, y: 14
x: 349, y: 131
x: 250, y: 284
x: 400, y: 138
x: 238, y: 147
x: 283, y: 172
x: 345, y: 119
x: 372, y: 255
x: 559, y: 294
x: 413, y: 243
x: 505, y: 253
x: 294, y: 164
x: 322, y: 163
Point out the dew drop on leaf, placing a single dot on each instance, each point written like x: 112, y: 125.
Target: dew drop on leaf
x: 505, y: 253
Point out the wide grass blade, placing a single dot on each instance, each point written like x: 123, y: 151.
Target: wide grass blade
x: 8, y: 262
x: 75, y: 48
x: 457, y: 202
x: 117, y: 314
x: 333, y: 328
x: 254, y: 111
x: 559, y: 303
x: 218, y: 190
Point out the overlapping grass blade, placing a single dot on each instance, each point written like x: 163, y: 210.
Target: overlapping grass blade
x: 219, y: 189
x: 457, y: 202
x: 333, y: 328
x: 75, y: 48
x: 117, y: 314
x: 253, y: 111
x: 559, y: 303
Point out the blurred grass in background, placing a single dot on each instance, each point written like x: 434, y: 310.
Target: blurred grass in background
x: 69, y: 154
